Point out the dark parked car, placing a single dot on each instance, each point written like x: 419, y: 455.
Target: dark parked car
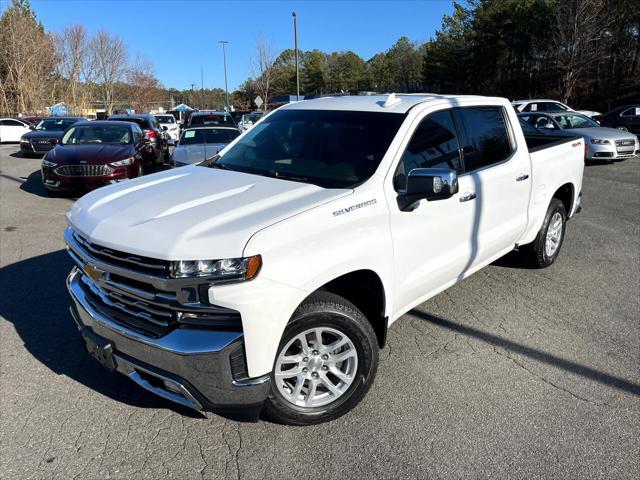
x: 211, y: 119
x: 45, y: 135
x: 31, y: 120
x: 91, y: 154
x: 623, y: 118
x: 152, y: 131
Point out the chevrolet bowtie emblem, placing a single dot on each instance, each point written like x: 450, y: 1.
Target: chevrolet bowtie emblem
x: 92, y: 271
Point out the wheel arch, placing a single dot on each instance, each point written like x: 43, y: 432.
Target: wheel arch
x: 566, y: 194
x: 365, y: 289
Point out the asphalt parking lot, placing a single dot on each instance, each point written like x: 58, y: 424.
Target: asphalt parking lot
x: 514, y: 373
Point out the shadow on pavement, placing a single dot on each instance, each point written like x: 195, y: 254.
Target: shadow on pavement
x: 558, y: 362
x: 36, y: 302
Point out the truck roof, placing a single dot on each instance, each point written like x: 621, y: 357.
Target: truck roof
x: 399, y: 103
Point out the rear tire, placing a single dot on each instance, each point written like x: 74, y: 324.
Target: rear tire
x: 546, y: 247
x: 305, y: 397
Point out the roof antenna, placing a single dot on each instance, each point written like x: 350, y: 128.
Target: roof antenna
x: 391, y: 100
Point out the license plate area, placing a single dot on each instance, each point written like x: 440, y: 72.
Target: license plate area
x: 99, y: 349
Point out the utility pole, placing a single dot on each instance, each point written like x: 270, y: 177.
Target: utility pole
x: 201, y: 79
x: 295, y: 34
x: 226, y: 91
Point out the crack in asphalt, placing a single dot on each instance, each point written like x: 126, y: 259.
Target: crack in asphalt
x: 547, y: 381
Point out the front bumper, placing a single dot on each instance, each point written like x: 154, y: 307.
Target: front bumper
x: 35, y: 148
x: 609, y: 152
x: 53, y: 181
x: 188, y: 366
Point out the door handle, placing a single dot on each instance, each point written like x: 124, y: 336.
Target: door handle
x: 522, y: 177
x: 467, y: 196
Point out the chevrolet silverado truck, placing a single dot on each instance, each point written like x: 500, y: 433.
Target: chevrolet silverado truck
x: 267, y: 276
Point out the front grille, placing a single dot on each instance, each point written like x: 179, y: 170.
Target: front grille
x: 625, y: 146
x: 130, y: 311
x: 41, y: 145
x: 122, y: 259
x: 84, y: 170
x: 123, y: 290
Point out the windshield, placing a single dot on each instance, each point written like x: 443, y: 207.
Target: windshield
x: 208, y: 135
x: 97, y: 134
x: 54, y: 124
x: 212, y: 119
x: 574, y: 121
x: 332, y: 149
x: 165, y: 118
x: 526, y: 128
x: 251, y: 118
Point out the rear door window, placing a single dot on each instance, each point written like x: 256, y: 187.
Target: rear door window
x: 486, y: 139
x: 631, y: 112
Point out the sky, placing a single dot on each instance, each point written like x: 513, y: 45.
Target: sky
x: 180, y: 37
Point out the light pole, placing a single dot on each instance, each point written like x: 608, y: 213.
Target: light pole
x: 295, y: 34
x: 224, y: 58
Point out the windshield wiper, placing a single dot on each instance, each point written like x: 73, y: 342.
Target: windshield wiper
x: 285, y: 176
x: 214, y: 163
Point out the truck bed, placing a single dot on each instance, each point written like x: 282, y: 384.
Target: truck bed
x: 536, y: 143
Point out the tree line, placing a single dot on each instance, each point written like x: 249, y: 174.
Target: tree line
x: 39, y: 68
x: 583, y: 52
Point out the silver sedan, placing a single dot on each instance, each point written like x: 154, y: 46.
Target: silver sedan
x: 199, y: 144
x: 602, y: 143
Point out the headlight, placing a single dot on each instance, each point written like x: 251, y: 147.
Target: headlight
x: 47, y: 163
x: 229, y: 269
x: 23, y: 140
x: 124, y: 163
x: 598, y: 141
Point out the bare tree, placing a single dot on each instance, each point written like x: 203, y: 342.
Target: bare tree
x: 26, y: 60
x: 110, y: 57
x: 262, y: 68
x: 143, y: 86
x: 579, y: 26
x: 73, y: 62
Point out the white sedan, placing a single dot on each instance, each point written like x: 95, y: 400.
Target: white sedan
x: 12, y: 129
x: 172, y: 129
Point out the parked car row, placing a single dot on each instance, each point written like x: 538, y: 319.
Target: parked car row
x: 601, y: 143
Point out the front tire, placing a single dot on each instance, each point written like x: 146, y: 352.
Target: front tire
x: 546, y: 247
x: 326, y: 362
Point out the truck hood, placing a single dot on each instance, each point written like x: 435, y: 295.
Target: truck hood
x: 191, y: 213
x: 189, y: 154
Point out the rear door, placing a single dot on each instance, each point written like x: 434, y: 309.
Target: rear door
x: 499, y: 178
x: 631, y: 119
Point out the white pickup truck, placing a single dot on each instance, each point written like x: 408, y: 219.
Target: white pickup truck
x: 268, y: 276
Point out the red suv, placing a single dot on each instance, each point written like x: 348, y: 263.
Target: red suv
x: 152, y: 131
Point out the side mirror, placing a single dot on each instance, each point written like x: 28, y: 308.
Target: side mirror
x: 32, y: 127
x: 165, y: 128
x: 53, y: 141
x: 428, y: 183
